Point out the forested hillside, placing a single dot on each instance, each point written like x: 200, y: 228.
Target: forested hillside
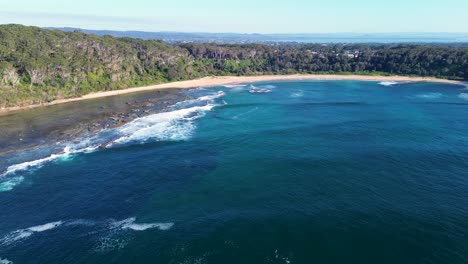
x: 38, y: 65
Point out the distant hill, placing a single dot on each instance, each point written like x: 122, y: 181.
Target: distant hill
x: 235, y: 38
x: 39, y: 65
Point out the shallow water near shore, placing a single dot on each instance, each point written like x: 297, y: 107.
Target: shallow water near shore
x: 273, y: 172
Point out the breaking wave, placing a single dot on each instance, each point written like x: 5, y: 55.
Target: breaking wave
x: 174, y: 125
x: 25, y: 233
x: 234, y: 86
x: 392, y: 83
x: 36, y: 164
x: 129, y: 224
x: 430, y: 96
x: 114, y: 241
x: 463, y: 96
x: 297, y: 94
x: 110, y: 227
x: 264, y: 89
x: 388, y: 83
x: 168, y: 126
x: 5, y: 261
x: 9, y: 184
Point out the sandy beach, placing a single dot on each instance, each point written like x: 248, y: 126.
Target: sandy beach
x: 229, y: 80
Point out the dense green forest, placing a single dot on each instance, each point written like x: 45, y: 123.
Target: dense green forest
x: 38, y: 65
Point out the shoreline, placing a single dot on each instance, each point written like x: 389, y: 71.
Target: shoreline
x: 229, y: 80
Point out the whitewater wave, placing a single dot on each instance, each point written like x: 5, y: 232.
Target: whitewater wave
x: 388, y: 83
x: 430, y: 96
x: 36, y: 164
x: 25, y: 233
x: 111, y: 227
x: 200, y: 101
x: 255, y: 89
x: 297, y: 94
x: 9, y: 184
x: 175, y: 125
x: 81, y: 222
x: 130, y: 224
x: 234, y: 86
x: 5, y: 261
x: 114, y: 241
x: 393, y: 83
x: 463, y: 96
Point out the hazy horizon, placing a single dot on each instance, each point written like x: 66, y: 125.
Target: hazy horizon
x: 401, y: 34
x: 263, y: 17
x: 251, y: 33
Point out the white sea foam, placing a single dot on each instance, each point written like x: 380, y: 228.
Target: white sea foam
x: 168, y: 126
x: 114, y: 240
x: 142, y: 227
x: 255, y: 89
x: 33, y: 164
x: 172, y: 126
x: 235, y: 86
x: 430, y: 95
x: 10, y: 183
x: 66, y: 154
x: 25, y: 233
x: 80, y: 222
x: 279, y: 257
x: 202, y: 100
x: 392, y: 83
x: 465, y: 84
x: 42, y: 228
x: 388, y: 83
x: 129, y: 224
x: 211, y: 98
x: 297, y: 94
x: 463, y: 96
x: 5, y: 261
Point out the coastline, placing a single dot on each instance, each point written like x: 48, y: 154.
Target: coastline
x: 228, y: 80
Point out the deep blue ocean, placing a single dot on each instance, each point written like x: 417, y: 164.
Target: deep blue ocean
x: 277, y: 172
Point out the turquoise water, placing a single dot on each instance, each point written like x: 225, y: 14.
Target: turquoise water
x: 285, y: 172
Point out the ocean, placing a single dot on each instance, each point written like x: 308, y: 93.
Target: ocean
x: 272, y: 172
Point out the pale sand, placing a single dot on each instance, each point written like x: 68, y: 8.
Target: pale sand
x: 226, y: 80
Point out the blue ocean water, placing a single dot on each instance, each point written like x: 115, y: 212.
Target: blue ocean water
x: 284, y: 172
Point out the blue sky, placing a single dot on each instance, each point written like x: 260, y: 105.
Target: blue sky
x: 245, y: 16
